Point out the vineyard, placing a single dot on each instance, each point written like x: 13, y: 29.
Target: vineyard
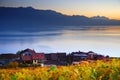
x: 94, y: 70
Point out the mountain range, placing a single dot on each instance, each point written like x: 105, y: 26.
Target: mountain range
x: 28, y: 17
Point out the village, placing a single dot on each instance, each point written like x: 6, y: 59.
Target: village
x: 31, y: 57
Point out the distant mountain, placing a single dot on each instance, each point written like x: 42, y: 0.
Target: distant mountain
x: 99, y: 18
x: 28, y: 17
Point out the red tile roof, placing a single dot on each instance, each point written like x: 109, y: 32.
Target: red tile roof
x: 26, y: 57
x: 32, y: 56
x: 38, y: 56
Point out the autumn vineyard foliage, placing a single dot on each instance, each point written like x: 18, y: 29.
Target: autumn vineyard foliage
x: 95, y: 70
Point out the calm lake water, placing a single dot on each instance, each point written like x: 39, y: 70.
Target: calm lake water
x: 100, y: 39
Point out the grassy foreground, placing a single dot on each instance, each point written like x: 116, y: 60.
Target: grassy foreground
x: 98, y: 70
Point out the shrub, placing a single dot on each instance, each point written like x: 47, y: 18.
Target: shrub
x: 12, y: 64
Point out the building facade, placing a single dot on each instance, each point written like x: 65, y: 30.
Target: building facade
x: 31, y: 57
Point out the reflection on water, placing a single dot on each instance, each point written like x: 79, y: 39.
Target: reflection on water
x: 104, y: 40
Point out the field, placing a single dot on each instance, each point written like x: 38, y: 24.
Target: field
x: 96, y: 70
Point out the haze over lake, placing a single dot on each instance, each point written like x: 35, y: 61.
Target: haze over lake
x: 100, y: 39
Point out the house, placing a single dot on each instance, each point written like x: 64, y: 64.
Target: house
x: 38, y: 58
x: 95, y: 56
x: 77, y: 56
x: 48, y: 56
x: 31, y: 57
x: 62, y: 56
x: 9, y: 57
x: 55, y: 58
x: 91, y: 55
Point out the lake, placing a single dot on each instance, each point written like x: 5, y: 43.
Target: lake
x: 100, y: 39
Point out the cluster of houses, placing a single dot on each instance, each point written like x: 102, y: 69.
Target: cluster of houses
x: 29, y: 56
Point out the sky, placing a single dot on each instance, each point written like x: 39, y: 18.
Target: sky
x: 89, y: 8
x: 105, y: 42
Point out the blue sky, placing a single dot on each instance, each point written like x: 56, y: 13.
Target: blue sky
x: 108, y: 8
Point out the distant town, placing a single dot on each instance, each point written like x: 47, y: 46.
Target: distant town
x: 31, y: 57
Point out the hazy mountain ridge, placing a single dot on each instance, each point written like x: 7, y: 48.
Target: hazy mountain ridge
x: 25, y: 17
